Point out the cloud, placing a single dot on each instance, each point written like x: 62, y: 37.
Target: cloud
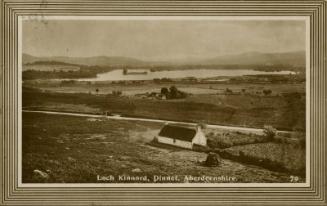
x: 161, y: 39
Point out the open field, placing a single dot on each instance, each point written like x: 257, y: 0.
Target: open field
x: 132, y: 88
x: 283, y: 109
x: 281, y: 152
x: 65, y: 149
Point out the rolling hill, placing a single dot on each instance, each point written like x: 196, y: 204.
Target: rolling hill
x: 89, y: 61
x: 256, y: 58
x: 295, y: 59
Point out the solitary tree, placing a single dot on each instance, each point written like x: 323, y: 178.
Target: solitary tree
x: 164, y: 91
x: 173, y: 92
x: 228, y: 91
x: 97, y: 90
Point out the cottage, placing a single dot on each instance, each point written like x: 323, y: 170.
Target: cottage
x: 182, y: 136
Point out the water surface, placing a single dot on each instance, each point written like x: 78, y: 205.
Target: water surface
x: 118, y: 75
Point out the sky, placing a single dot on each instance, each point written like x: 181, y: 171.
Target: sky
x: 160, y: 39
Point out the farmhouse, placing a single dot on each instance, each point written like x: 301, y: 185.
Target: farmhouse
x: 182, y: 136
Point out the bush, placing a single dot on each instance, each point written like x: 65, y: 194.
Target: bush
x: 202, y: 125
x: 270, y: 132
x: 117, y: 93
x: 267, y: 92
x: 215, y: 143
x: 68, y: 82
x: 228, y: 91
x: 155, y: 139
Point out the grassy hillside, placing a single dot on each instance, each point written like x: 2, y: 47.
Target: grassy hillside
x: 63, y: 149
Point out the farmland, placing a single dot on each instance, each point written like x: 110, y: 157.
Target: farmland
x: 67, y: 149
x: 247, y: 106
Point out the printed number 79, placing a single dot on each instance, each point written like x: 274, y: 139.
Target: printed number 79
x: 294, y: 178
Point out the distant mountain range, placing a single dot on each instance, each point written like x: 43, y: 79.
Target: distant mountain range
x: 256, y: 58
x: 296, y: 59
x: 89, y: 61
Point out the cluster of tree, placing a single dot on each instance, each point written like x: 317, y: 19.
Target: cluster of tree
x: 271, y: 78
x: 157, y: 80
x: 173, y: 93
x: 117, y: 93
x: 50, y: 63
x: 83, y: 72
x: 68, y: 82
x: 278, y: 67
x: 265, y: 91
x: 258, y: 67
x: 32, y: 74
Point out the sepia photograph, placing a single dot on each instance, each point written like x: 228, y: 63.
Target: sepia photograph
x: 163, y: 100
